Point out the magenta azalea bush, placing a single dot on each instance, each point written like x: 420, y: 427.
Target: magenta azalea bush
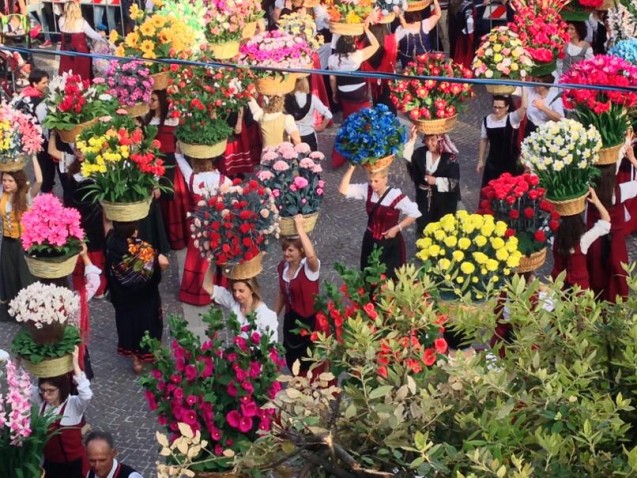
x: 276, y: 49
x: 50, y: 229
x: 217, y: 389
x: 129, y: 82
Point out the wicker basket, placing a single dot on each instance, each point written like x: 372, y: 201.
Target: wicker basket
x: 310, y: 66
x: 138, y: 109
x: 500, y: 89
x: 249, y: 31
x: 203, y: 151
x: 532, y: 262
x: 311, y: 3
x: 245, y: 270
x: 51, y: 267
x: 379, y: 164
x: 49, y: 368
x: 225, y: 51
x: 288, y: 226
x: 126, y: 211
x: 347, y: 29
x: 276, y: 86
x: 608, y: 156
x: 608, y: 5
x: 543, y: 69
x: 417, y: 6
x: 390, y: 17
x: 437, y: 126
x: 569, y: 207
x: 17, y: 164
x: 160, y: 80
x: 68, y: 136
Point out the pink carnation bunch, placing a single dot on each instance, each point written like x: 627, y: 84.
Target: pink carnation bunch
x: 50, y: 228
x: 276, y: 49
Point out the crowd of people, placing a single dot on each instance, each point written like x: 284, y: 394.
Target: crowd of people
x: 596, y: 241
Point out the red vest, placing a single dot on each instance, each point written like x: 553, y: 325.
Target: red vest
x: 384, y: 218
x: 299, y: 293
x: 575, y: 266
x: 66, y: 445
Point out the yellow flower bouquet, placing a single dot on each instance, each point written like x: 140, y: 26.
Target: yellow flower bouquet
x: 469, y: 253
x: 347, y: 17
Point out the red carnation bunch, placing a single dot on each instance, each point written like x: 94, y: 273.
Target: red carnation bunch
x: 235, y: 225
x: 431, y: 99
x: 520, y: 202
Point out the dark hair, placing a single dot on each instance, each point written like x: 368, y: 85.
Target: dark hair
x: 36, y: 76
x: 61, y: 382
x: 580, y: 29
x: 100, y: 435
x: 568, y: 235
x: 162, y: 98
x: 508, y: 102
x: 125, y: 229
x: 413, y: 17
x: 19, y: 202
x: 345, y: 45
x: 380, y: 31
x: 605, y: 185
x: 545, y: 79
x: 294, y: 241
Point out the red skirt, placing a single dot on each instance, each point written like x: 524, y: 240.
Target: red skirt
x: 464, y: 50
x: 238, y: 156
x: 174, y: 211
x: 253, y: 132
x: 195, y: 268
x: 348, y: 109
x: 98, y: 260
x: 79, y: 65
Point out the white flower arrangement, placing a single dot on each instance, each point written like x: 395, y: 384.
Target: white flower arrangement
x: 622, y: 21
x: 563, y: 154
x: 42, y: 304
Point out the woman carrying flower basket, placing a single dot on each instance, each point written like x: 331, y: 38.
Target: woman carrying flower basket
x: 384, y: 205
x: 276, y: 126
x: 16, y: 196
x: 202, y: 179
x: 382, y: 61
x: 413, y: 33
x: 577, y: 49
x: 436, y: 174
x: 303, y: 106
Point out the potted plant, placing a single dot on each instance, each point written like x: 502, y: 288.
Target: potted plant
x: 347, y: 17
x: 233, y: 228
x: 519, y: 202
x: 123, y: 160
x: 606, y: 111
x: 501, y: 56
x: 216, y: 388
x: 279, y: 50
x: 51, y: 237
x: 253, y: 14
x: 74, y: 104
x: 563, y: 154
x: 371, y: 137
x: 542, y: 32
x: 203, y: 98
x: 224, y: 25
x: 23, y: 431
x: 129, y: 82
x: 433, y: 106
x: 20, y: 136
x: 293, y: 174
x: 49, y: 313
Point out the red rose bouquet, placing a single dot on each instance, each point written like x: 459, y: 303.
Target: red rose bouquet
x: 606, y: 110
x: 519, y: 202
x: 217, y: 388
x: 431, y: 99
x: 542, y: 31
x: 234, y: 226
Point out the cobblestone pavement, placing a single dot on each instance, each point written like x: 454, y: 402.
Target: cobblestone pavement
x: 119, y: 404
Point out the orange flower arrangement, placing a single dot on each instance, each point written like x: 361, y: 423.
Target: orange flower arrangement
x: 348, y: 11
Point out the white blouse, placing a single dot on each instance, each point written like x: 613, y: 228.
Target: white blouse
x: 493, y: 122
x: 76, y: 405
x: 405, y: 205
x: 306, y: 124
x: 207, y: 182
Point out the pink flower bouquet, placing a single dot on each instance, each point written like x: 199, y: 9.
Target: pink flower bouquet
x: 19, y: 135
x: 276, y: 49
x: 49, y: 229
x: 129, y: 82
x: 224, y: 21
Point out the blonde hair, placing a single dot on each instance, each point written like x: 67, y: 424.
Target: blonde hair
x: 252, y: 284
x: 273, y: 104
x: 302, y: 85
x: 72, y: 14
x: 382, y: 173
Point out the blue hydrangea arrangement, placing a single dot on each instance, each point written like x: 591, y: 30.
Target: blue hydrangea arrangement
x: 369, y: 135
x: 626, y: 49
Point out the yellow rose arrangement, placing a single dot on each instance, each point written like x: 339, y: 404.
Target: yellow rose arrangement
x: 469, y: 253
x: 156, y: 36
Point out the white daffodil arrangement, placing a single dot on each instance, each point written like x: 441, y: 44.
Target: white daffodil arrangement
x: 563, y: 155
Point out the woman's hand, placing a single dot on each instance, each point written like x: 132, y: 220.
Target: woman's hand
x: 299, y: 220
x: 413, y: 134
x: 391, y: 232
x: 83, y: 250
x: 77, y: 370
x: 592, y: 197
x: 431, y: 180
x: 163, y: 261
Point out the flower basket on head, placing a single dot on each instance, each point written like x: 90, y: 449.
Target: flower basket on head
x: 370, y: 136
x: 430, y: 100
x: 541, y: 31
x: 348, y: 17
x: 240, y: 363
x: 501, y: 56
x: 224, y: 51
x: 51, y: 237
x: 161, y: 80
x: 276, y: 86
x: 347, y: 29
x: 51, y: 367
x: 519, y: 202
x: 563, y: 154
x: 607, y: 111
x: 302, y: 25
x: 418, y: 5
x: 123, y: 160
x: 203, y: 151
x: 235, y: 225
x: 224, y: 29
x: 244, y: 270
x: 20, y: 138
x: 293, y: 174
x: 131, y: 85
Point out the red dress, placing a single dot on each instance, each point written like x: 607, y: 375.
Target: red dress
x: 195, y: 266
x: 575, y: 266
x: 380, y: 88
x: 627, y: 173
x: 79, y: 65
x: 238, y: 158
x: 64, y: 449
x: 317, y: 86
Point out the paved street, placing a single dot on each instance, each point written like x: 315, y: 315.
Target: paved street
x: 119, y: 405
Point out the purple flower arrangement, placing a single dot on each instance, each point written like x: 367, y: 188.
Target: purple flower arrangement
x: 129, y: 82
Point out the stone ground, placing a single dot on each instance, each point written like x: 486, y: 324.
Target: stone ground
x: 119, y: 404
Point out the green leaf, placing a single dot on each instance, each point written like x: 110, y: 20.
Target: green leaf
x: 380, y: 391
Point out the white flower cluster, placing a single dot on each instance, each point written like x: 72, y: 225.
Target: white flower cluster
x: 41, y: 304
x: 562, y: 144
x: 623, y: 22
